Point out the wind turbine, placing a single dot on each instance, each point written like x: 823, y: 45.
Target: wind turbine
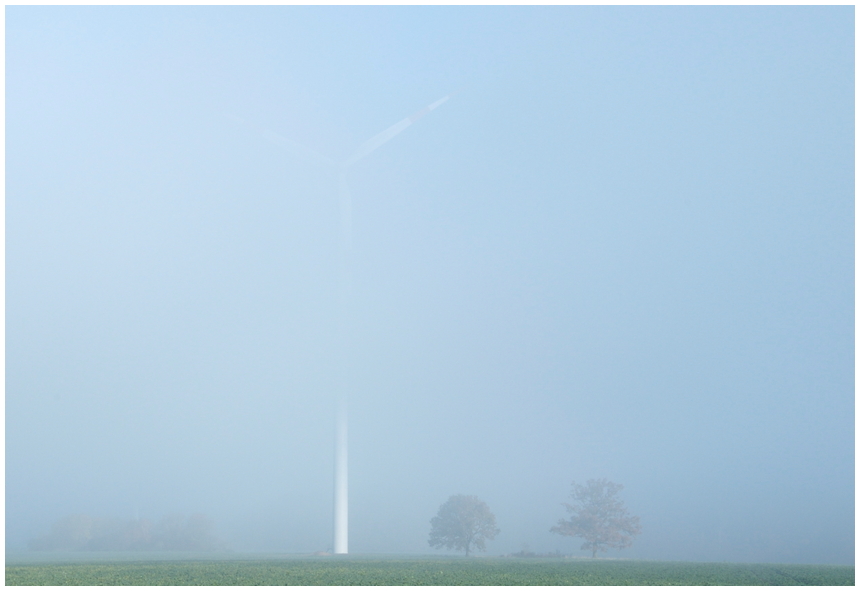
x: 341, y: 488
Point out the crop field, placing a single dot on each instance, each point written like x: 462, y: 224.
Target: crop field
x: 419, y: 571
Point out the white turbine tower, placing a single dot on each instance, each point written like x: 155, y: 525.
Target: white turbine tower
x: 341, y: 489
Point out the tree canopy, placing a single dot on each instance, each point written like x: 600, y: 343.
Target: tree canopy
x: 173, y: 532
x: 599, y: 517
x: 463, y: 522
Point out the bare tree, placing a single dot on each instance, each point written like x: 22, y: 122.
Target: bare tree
x: 599, y: 517
x: 463, y: 522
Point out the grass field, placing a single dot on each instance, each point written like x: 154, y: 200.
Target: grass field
x: 357, y: 570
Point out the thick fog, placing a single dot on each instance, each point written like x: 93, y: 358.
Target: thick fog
x: 624, y: 249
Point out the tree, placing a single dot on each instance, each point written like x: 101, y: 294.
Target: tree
x: 174, y: 532
x: 599, y: 517
x: 463, y: 522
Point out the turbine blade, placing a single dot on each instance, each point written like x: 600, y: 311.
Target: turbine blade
x: 345, y: 199
x: 380, y: 138
x: 293, y: 147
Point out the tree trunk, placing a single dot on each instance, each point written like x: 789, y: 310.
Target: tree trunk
x: 594, y: 551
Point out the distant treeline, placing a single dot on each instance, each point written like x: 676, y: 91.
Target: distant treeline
x: 173, y: 532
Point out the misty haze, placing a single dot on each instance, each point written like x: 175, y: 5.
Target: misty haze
x: 609, y: 244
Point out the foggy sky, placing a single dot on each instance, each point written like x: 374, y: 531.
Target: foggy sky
x: 624, y: 250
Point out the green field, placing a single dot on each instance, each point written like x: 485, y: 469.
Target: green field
x: 357, y: 570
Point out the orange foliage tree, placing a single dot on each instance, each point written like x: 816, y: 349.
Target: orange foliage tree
x: 599, y: 517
